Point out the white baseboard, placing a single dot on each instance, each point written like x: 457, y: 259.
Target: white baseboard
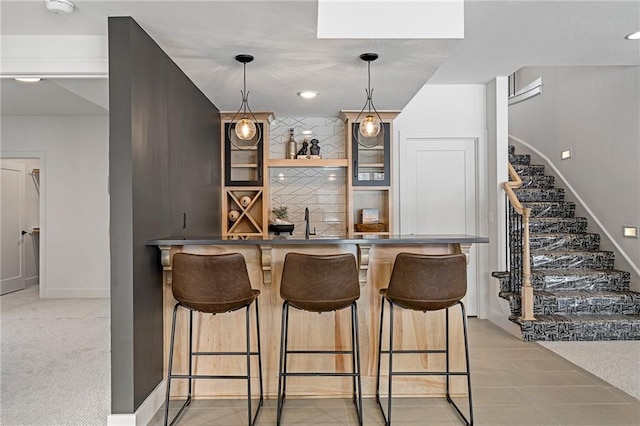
x: 145, y: 413
x: 76, y: 293
x: 32, y: 281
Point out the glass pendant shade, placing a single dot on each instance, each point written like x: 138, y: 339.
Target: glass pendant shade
x: 247, y: 133
x: 245, y: 129
x: 369, y: 123
x: 370, y: 127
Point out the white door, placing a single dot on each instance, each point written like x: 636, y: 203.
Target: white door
x: 12, y: 248
x: 438, y: 193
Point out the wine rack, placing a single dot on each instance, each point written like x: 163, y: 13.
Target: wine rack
x: 244, y: 218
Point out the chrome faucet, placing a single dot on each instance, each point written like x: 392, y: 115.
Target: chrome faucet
x: 307, y: 231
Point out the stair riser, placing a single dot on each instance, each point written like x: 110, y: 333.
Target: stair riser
x: 537, y: 182
x: 539, y: 194
x: 529, y: 169
x: 579, y: 260
x: 603, y: 281
x: 565, y: 242
x: 624, y: 304
x: 519, y: 158
x: 549, y: 305
x: 575, y: 225
x: 567, y: 331
x: 551, y: 209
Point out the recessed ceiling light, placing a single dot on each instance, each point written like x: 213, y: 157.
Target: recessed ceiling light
x: 633, y: 36
x: 308, y: 94
x: 28, y: 79
x: 307, y: 132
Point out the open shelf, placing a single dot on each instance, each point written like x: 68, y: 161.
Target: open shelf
x: 324, y: 162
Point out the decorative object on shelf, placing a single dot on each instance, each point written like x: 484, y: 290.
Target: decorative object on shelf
x: 233, y: 215
x: 281, y: 212
x: 303, y: 150
x: 291, y: 146
x: 368, y: 227
x: 369, y: 124
x: 246, y: 129
x: 245, y: 201
x: 315, y: 148
x: 369, y: 215
x: 280, y: 223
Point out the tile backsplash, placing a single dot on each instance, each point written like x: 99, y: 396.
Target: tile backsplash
x: 322, y: 190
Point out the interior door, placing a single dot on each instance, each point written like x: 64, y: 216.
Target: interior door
x: 438, y: 193
x: 12, y: 220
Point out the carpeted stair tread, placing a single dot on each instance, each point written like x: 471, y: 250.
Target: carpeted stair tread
x: 580, y: 327
x: 580, y: 279
x: 564, y: 241
x: 571, y: 259
x: 539, y: 194
x: 519, y: 158
x: 551, y: 208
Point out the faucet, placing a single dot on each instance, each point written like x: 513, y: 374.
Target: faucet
x: 307, y: 231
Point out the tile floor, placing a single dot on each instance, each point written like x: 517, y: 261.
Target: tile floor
x: 514, y: 383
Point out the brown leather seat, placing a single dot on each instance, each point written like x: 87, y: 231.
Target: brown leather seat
x: 213, y: 284
x: 319, y: 283
x: 423, y: 282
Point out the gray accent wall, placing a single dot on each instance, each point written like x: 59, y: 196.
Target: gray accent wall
x: 594, y: 111
x: 164, y: 163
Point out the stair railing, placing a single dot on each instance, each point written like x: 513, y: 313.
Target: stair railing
x: 520, y: 260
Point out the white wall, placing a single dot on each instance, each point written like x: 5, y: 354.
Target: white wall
x: 594, y: 111
x: 451, y: 110
x: 74, y: 177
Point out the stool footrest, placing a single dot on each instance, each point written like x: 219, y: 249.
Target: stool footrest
x: 429, y: 373
x: 319, y: 352
x: 416, y: 351
x: 222, y: 376
x: 312, y: 373
x: 223, y: 353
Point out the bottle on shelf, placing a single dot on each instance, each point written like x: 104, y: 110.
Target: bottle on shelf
x: 292, y: 150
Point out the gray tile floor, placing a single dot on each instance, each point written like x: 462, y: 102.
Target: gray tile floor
x: 514, y: 383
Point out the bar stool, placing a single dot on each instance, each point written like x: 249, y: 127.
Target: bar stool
x: 213, y: 284
x: 421, y: 282
x: 319, y: 283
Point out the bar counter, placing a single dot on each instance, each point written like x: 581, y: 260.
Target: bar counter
x: 265, y: 258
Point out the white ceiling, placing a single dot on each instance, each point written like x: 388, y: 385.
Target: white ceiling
x: 203, y: 37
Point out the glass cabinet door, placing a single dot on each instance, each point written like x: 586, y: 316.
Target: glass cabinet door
x: 371, y: 160
x: 243, y: 159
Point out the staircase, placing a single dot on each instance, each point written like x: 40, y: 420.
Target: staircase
x: 578, y: 295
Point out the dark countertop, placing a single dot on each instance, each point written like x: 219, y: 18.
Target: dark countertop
x: 296, y: 240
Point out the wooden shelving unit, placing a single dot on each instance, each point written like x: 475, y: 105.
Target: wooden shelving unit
x: 369, y: 180
x: 245, y: 199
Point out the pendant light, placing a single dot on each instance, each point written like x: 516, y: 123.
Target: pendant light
x: 369, y: 123
x: 246, y: 132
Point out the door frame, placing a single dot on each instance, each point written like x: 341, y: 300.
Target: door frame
x: 482, y: 199
x: 42, y: 261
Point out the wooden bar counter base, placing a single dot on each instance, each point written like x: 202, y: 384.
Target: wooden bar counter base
x: 265, y: 258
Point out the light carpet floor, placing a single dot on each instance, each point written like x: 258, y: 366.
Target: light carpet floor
x: 615, y: 362
x: 55, y: 366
